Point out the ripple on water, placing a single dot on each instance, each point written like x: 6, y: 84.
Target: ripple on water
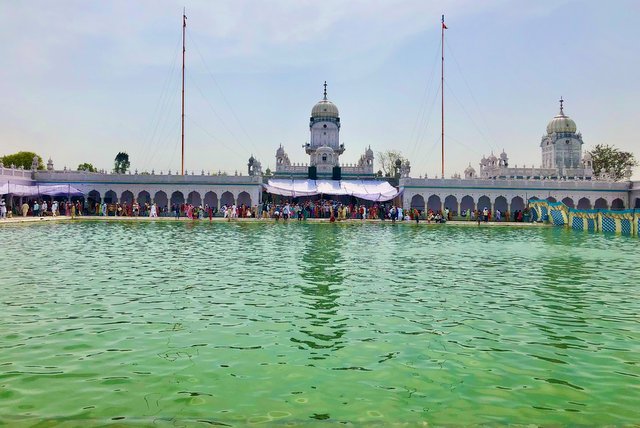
x: 367, y: 323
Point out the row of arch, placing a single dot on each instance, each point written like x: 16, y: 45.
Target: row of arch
x: 435, y: 203
x: 162, y: 199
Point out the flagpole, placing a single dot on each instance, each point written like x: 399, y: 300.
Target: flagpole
x: 442, y: 93
x: 184, y: 28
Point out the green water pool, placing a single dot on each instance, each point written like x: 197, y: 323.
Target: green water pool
x: 163, y: 324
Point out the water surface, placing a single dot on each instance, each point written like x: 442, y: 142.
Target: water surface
x: 296, y: 324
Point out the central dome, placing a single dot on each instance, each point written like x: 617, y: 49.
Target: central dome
x: 561, y: 123
x: 324, y: 107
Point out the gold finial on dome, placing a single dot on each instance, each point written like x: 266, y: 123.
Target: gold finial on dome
x: 561, y: 101
x: 325, y: 90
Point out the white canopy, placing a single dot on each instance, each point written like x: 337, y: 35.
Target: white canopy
x: 370, y: 190
x: 39, y: 189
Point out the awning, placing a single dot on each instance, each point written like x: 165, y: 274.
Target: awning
x: 370, y: 190
x: 39, y: 189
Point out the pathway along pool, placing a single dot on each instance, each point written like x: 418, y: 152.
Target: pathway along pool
x: 294, y: 324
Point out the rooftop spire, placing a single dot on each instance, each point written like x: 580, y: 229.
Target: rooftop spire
x: 325, y: 90
x: 561, y: 101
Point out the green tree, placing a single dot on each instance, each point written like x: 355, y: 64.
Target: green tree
x: 21, y: 159
x: 387, y: 161
x: 122, y: 163
x: 87, y: 167
x: 613, y: 161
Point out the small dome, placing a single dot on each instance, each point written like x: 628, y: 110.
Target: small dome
x: 503, y: 155
x: 469, y: 170
x: 492, y: 158
x: 587, y: 157
x: 369, y: 152
x: 561, y: 122
x: 280, y: 151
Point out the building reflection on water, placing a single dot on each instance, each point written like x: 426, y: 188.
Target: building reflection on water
x: 321, y: 280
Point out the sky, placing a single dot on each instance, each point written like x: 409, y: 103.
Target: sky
x: 83, y: 80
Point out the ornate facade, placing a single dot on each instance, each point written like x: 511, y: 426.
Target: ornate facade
x: 561, y: 148
x: 324, y: 148
x: 565, y: 175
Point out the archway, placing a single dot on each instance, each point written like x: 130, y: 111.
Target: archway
x: 160, y: 198
x: 244, y: 199
x: 417, y: 202
x: 434, y: 203
x: 584, y: 204
x: 617, y: 204
x: 501, y: 204
x: 552, y: 199
x: 194, y: 199
x: 637, y: 204
x: 177, y: 198
x: 517, y: 204
x: 467, y: 203
x: 568, y: 202
x: 126, y: 197
x: 227, y: 199
x: 451, y: 202
x: 144, y: 197
x: 484, y: 202
x: 601, y: 204
x: 211, y: 199
x: 110, y: 197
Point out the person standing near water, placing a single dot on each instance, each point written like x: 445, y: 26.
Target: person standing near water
x: 154, y: 211
x: 3, y: 209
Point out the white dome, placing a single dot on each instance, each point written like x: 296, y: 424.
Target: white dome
x: 325, y: 108
x: 469, y: 170
x: 587, y: 157
x: 561, y: 122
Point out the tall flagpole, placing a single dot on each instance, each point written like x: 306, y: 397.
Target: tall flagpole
x: 184, y: 28
x: 442, y: 92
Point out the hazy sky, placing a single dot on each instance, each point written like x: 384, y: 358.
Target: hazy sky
x: 83, y: 80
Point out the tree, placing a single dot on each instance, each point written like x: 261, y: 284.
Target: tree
x: 122, y: 163
x: 87, y: 167
x: 387, y: 161
x: 21, y: 159
x: 611, y: 160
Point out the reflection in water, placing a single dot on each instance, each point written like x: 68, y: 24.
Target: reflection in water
x: 322, y: 273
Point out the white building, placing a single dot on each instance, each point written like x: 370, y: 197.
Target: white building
x: 561, y: 149
x: 324, y: 149
x: 564, y: 175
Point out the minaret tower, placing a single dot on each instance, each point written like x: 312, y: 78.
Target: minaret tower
x: 324, y: 126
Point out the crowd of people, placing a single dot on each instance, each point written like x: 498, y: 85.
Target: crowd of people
x: 333, y: 210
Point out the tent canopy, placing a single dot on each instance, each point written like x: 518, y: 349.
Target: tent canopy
x: 37, y: 190
x: 370, y: 190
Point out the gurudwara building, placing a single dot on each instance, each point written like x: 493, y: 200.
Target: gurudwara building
x: 324, y: 149
x: 565, y: 174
